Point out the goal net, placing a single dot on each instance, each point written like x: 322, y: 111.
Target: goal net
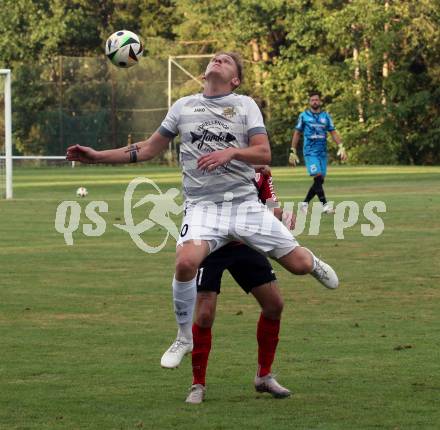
x: 91, y: 102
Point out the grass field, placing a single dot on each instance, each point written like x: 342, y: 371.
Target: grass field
x: 83, y: 327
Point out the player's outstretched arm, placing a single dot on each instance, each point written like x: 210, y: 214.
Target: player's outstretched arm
x: 258, y: 152
x: 141, y: 151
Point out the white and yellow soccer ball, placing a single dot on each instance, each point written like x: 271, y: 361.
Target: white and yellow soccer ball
x: 82, y: 192
x: 124, y: 48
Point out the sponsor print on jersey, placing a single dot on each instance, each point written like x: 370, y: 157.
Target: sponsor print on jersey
x: 213, y: 136
x: 209, y: 136
x: 229, y: 112
x: 317, y: 136
x: 316, y: 125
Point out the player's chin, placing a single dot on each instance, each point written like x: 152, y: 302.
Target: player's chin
x: 216, y: 72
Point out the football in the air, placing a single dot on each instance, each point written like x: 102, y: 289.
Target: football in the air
x: 81, y: 192
x: 124, y: 48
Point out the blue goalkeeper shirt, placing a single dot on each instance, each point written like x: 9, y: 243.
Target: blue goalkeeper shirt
x: 314, y: 127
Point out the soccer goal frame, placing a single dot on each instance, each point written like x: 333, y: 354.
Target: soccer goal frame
x: 8, y: 157
x: 8, y: 131
x: 173, y: 60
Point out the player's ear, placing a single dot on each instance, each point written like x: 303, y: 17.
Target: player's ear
x: 236, y: 82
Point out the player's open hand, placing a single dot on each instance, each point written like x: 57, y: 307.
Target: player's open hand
x: 289, y: 219
x: 84, y: 154
x: 293, y: 157
x: 342, y: 153
x: 215, y: 159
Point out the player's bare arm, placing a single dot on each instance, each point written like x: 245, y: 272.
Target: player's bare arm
x: 140, y: 151
x: 341, y: 150
x: 293, y: 156
x: 258, y: 152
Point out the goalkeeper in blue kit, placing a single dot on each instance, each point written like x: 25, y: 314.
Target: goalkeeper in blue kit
x: 314, y: 124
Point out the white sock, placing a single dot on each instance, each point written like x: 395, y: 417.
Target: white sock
x: 315, y: 260
x: 184, y: 298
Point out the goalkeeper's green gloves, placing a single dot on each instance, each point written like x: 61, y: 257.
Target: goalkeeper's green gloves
x: 342, y: 154
x: 293, y: 157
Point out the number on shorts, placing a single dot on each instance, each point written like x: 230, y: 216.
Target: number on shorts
x: 184, y: 230
x: 199, y: 276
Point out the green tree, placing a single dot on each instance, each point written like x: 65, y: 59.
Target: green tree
x: 376, y: 62
x: 35, y: 36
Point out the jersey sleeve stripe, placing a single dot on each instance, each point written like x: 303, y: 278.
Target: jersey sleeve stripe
x: 256, y: 130
x: 165, y: 132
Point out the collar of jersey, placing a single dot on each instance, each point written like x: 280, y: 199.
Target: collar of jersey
x: 216, y: 97
x: 315, y: 115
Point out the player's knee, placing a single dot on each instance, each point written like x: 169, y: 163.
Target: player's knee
x: 302, y: 261
x: 205, y: 318
x: 186, y: 268
x: 205, y: 309
x: 305, y: 263
x: 319, y: 179
x: 274, y: 309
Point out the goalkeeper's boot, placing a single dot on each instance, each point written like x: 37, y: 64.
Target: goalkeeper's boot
x: 324, y: 273
x: 328, y: 209
x: 175, y: 353
x: 268, y: 384
x: 196, y: 394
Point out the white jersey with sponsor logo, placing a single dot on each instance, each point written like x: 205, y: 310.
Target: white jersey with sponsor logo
x: 206, y: 124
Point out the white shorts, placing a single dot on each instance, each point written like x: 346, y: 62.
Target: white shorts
x: 250, y: 222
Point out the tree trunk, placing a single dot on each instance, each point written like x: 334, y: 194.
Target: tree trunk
x: 256, y: 58
x: 368, y: 64
x: 357, y: 74
x: 357, y: 83
x: 385, y: 66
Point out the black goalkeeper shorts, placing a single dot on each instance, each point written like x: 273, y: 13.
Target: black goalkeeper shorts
x: 248, y: 267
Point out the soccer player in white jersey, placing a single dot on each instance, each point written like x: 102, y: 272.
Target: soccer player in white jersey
x: 222, y: 136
